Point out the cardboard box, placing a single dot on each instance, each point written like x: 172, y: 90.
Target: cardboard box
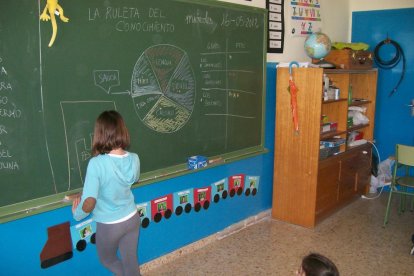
x: 332, y: 142
x: 327, y: 127
x: 350, y: 59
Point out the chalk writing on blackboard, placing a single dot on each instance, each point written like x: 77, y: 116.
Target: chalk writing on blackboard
x: 199, y: 17
x: 4, y: 84
x: 10, y: 113
x: 221, y: 93
x: 163, y: 88
x: 78, y: 121
x: 83, y: 153
x: 106, y: 79
x: 133, y: 19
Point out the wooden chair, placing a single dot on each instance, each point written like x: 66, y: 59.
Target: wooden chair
x: 402, y: 183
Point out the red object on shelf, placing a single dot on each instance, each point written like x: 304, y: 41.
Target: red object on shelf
x: 359, y: 136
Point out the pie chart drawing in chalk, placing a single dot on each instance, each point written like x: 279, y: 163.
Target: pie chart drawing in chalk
x: 163, y: 88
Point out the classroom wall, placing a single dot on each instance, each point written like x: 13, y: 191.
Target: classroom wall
x: 371, y: 21
x: 335, y: 17
x: 392, y: 112
x: 252, y: 3
x: 368, y: 5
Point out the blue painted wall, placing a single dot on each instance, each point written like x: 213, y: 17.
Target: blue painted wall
x: 394, y: 123
x: 22, y: 240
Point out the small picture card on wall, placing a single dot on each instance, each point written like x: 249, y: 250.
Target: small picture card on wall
x: 183, y: 201
x: 219, y: 189
x: 161, y: 207
x: 236, y: 184
x: 276, y: 26
x: 305, y: 17
x: 252, y: 185
x: 144, y: 212
x: 202, y: 198
x: 83, y: 233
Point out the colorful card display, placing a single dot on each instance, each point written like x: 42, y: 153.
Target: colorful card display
x: 178, y: 202
x: 83, y: 233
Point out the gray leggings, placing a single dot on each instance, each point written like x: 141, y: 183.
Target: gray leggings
x: 122, y: 236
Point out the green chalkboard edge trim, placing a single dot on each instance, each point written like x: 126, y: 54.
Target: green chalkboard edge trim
x: 33, y: 207
x: 181, y: 169
x: 44, y: 204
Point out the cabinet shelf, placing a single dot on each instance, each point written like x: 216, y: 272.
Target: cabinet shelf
x: 359, y: 102
x: 357, y: 127
x: 334, y: 101
x: 350, y: 71
x: 330, y: 134
x: 329, y: 158
x: 358, y: 146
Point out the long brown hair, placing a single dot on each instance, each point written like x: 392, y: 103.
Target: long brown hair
x: 110, y: 133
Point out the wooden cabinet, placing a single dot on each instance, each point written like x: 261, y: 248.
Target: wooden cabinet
x: 306, y: 188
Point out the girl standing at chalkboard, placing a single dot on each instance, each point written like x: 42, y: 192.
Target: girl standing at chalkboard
x: 107, y: 195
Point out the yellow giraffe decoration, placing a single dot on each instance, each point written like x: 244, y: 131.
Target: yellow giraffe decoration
x: 49, y: 14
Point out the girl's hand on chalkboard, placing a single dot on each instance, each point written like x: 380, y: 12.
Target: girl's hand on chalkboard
x: 75, y: 203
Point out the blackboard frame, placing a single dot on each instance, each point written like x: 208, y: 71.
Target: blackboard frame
x: 43, y: 204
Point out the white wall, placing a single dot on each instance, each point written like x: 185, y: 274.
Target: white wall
x: 368, y: 5
x: 253, y: 3
x: 336, y: 18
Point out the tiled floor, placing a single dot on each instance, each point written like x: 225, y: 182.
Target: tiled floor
x: 353, y: 238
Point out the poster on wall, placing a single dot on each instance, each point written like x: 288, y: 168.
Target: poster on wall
x: 276, y: 26
x: 305, y: 17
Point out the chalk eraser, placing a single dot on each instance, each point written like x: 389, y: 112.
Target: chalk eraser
x: 71, y: 197
x: 215, y: 160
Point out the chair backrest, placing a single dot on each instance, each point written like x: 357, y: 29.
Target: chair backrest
x: 405, y: 155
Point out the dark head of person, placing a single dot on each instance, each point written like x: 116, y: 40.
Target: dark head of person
x: 318, y: 265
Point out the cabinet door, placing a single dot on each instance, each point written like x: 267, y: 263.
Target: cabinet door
x: 327, y: 190
x: 364, y: 169
x: 355, y: 172
x: 348, y: 176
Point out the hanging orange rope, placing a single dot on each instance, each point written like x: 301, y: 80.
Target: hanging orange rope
x: 293, y: 90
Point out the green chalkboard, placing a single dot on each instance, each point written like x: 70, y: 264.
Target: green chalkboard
x: 187, y: 76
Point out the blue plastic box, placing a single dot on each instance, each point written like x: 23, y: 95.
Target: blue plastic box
x: 196, y: 162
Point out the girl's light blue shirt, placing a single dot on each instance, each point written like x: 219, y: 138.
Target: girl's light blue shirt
x: 109, y: 179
